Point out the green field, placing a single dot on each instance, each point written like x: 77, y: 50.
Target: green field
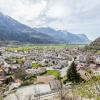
x: 41, y: 46
x: 53, y: 72
x: 35, y: 65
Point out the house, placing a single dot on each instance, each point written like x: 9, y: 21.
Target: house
x: 55, y: 84
x: 6, y: 65
x: 96, y: 71
x: 1, y: 71
x: 1, y: 61
x: 92, y: 66
x: 37, y: 71
x: 28, y: 64
x: 2, y: 75
x: 2, y: 79
x: 81, y: 66
x: 63, y: 63
x: 45, y: 79
x: 30, y: 91
x: 15, y: 84
x: 81, y: 58
x: 97, y: 61
x: 57, y: 67
x: 85, y: 75
x: 14, y: 67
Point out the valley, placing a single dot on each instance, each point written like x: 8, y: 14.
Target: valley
x: 31, y: 72
x: 49, y: 50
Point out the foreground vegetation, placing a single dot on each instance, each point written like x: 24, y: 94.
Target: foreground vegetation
x: 89, y: 89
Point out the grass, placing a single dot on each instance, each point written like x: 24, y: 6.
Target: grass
x: 41, y: 46
x: 88, y: 89
x: 53, y: 72
x: 36, y: 65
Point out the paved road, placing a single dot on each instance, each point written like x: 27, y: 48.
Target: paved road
x: 64, y: 70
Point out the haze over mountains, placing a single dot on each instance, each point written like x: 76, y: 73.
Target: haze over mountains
x: 64, y: 36
x: 12, y: 30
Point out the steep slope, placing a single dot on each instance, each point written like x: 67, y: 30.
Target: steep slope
x: 64, y: 36
x: 95, y: 43
x: 94, y: 46
x: 12, y: 30
x: 9, y: 23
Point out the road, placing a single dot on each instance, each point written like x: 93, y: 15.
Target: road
x: 64, y: 70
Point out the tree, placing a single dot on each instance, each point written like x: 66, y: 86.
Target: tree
x: 73, y: 75
x: 20, y: 73
x: 0, y: 53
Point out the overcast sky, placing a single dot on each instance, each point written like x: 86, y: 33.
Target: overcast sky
x: 77, y: 16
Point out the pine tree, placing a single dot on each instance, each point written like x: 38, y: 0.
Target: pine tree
x: 72, y: 74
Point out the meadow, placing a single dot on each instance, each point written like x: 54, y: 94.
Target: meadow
x: 28, y: 47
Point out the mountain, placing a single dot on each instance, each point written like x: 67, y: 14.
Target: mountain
x: 94, y: 46
x: 96, y: 43
x: 12, y: 30
x: 64, y: 36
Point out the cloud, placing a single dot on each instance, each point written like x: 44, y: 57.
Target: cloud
x: 78, y: 16
x: 57, y: 10
x: 22, y: 10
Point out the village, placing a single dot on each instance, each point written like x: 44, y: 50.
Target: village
x: 43, y: 69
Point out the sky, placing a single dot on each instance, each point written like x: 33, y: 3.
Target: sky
x: 76, y: 16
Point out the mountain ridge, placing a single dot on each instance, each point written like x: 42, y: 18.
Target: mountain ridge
x: 95, y: 43
x: 12, y: 30
x: 64, y: 36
